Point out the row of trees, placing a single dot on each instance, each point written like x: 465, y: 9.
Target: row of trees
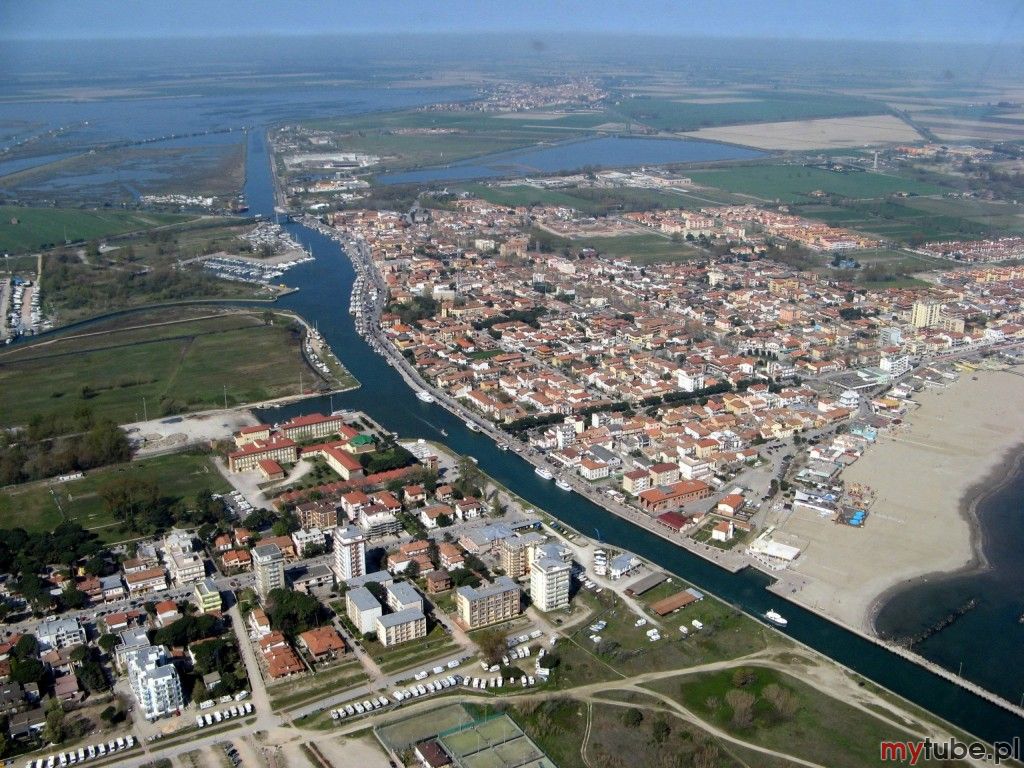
x: 103, y: 443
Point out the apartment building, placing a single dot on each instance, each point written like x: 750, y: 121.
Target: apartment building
x: 489, y: 603
x: 349, y: 552
x: 549, y: 584
x: 208, y: 596
x: 401, y: 627
x: 59, y: 633
x: 268, y: 564
x: 402, y: 596
x: 362, y: 609
x: 154, y: 681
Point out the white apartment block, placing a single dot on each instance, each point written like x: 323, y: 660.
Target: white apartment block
x: 268, y: 564
x: 401, y: 627
x: 549, y: 584
x: 349, y: 552
x: 154, y: 681
x: 59, y: 633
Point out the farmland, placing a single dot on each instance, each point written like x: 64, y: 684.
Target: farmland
x: 593, y: 202
x: 753, y: 107
x: 795, y: 183
x: 41, y: 506
x: 814, y: 134
x: 175, y: 366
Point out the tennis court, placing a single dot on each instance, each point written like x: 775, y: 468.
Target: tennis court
x: 493, y: 743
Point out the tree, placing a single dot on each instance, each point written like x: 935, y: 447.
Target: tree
x: 26, y: 647
x: 92, y: 676
x: 742, y: 705
x: 53, y: 731
x: 632, y: 717
x: 492, y: 645
x: 108, y: 642
x: 660, y: 730
x: 72, y: 597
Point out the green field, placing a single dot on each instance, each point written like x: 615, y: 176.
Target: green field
x: 819, y: 728
x: 184, y: 366
x: 794, y: 183
x: 753, y: 107
x: 641, y: 248
x: 41, y: 506
x: 44, y: 227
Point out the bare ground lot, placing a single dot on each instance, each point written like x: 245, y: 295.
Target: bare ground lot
x: 814, y: 134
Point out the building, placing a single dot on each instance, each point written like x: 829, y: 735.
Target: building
x: 317, y: 514
x: 362, y: 609
x: 401, y: 627
x: 308, y: 540
x: 208, y: 596
x: 268, y: 563
x: 376, y: 521
x: 488, y: 604
x: 313, y: 426
x: 59, y: 633
x: 402, y: 596
x: 146, y: 581
x: 722, y: 531
x: 438, y: 581
x: 322, y: 643
x: 154, y: 681
x: 666, y: 497
x: 549, y: 584
x: 349, y: 552
x: 925, y: 314
x: 515, y: 553
x: 279, y: 449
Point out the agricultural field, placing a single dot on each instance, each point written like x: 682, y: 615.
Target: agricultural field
x: 795, y: 183
x: 827, y: 133
x: 682, y: 114
x: 41, y: 506
x: 177, y: 360
x: 38, y: 228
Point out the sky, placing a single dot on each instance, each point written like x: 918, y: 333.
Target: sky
x: 976, y: 21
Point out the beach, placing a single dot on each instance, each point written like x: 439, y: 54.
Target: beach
x: 926, y: 474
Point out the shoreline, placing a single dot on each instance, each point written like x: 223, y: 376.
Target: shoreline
x: 924, y: 523
x: 1009, y: 469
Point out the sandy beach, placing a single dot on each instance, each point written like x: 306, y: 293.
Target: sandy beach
x: 926, y: 477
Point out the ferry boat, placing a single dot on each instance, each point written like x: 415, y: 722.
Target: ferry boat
x: 541, y: 472
x: 425, y: 396
x: 563, y: 485
x: 776, y: 618
x: 502, y: 446
x: 471, y: 426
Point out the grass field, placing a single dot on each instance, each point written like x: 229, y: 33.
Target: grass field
x: 642, y: 248
x: 291, y: 694
x: 184, y: 366
x: 821, y: 729
x: 794, y: 183
x: 44, y: 227
x: 41, y: 506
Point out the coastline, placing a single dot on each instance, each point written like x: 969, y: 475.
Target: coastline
x: 928, y: 480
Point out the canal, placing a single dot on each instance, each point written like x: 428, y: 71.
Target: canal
x: 323, y: 298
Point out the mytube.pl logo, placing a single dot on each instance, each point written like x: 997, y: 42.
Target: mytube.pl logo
x: 912, y: 752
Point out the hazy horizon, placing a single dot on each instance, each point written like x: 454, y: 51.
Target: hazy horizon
x: 912, y: 21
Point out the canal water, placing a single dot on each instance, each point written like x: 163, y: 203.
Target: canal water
x: 323, y: 298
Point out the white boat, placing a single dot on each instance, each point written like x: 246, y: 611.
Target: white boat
x: 472, y: 426
x: 502, y: 446
x: 563, y: 485
x: 541, y: 472
x: 426, y: 397
x: 776, y: 618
